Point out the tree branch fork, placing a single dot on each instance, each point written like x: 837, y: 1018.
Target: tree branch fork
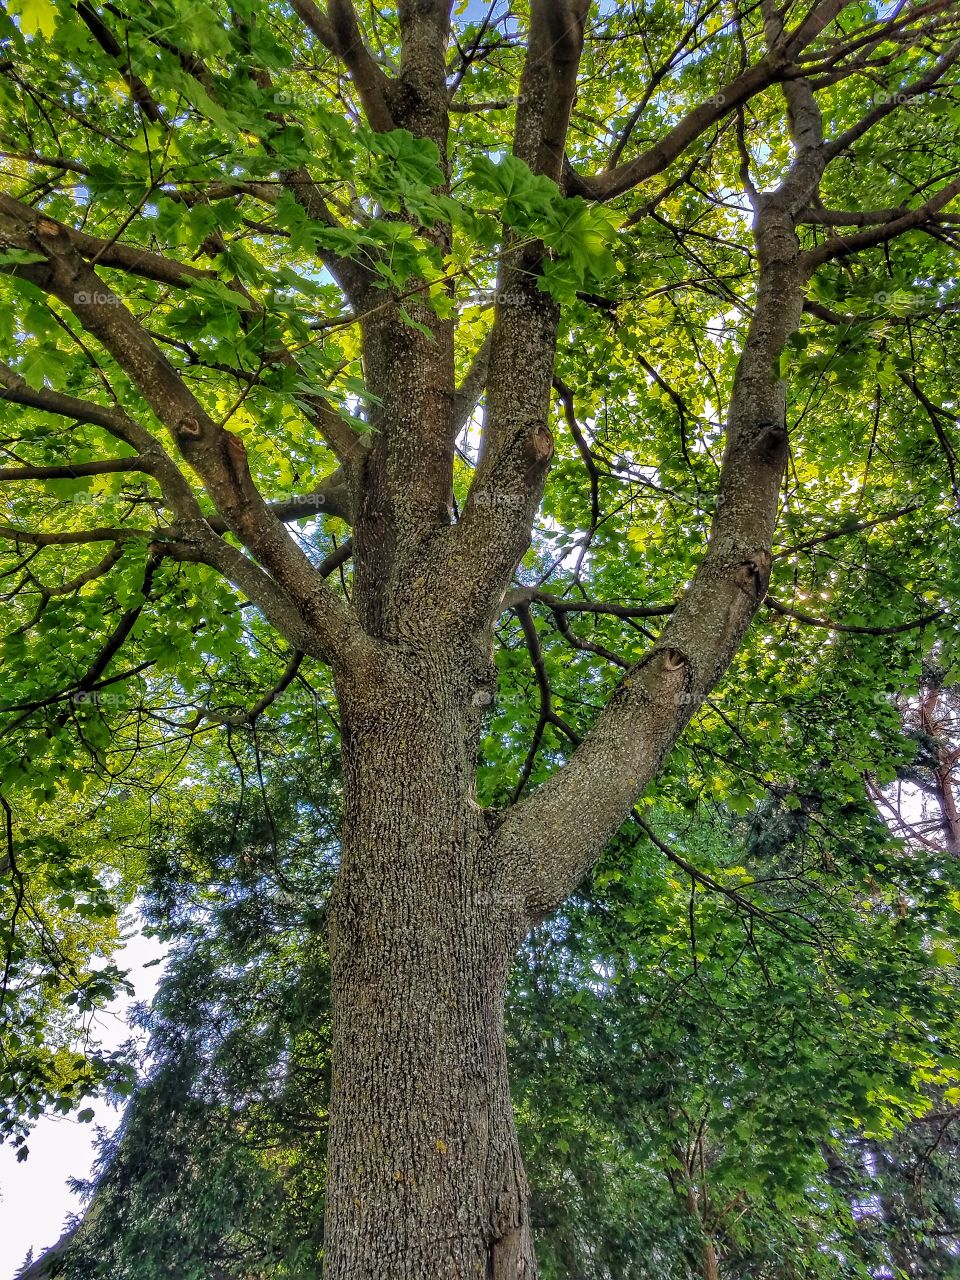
x: 385, y: 487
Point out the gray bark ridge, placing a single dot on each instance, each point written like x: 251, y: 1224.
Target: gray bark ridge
x: 425, y: 1174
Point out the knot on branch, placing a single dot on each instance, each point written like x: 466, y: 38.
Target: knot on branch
x: 753, y: 576
x: 772, y: 443
x: 669, y: 682
x: 538, y: 448
x: 189, y: 429
x: 237, y: 457
x: 673, y: 659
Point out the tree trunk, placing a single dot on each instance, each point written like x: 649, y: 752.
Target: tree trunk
x: 425, y: 1178
x: 711, y: 1264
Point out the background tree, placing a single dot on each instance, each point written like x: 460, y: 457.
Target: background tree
x: 278, y: 247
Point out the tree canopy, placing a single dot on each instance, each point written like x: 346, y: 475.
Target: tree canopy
x: 334, y: 332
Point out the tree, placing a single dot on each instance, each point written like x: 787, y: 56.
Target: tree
x: 277, y: 247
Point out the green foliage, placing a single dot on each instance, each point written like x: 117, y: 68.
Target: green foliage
x: 218, y: 1164
x: 659, y: 1022
x: 59, y: 903
x: 688, y: 1061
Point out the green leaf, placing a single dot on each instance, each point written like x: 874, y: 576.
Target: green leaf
x: 37, y: 16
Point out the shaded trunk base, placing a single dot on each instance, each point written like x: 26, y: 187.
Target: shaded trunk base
x: 425, y: 1179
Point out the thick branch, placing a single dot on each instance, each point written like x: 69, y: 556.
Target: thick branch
x: 111, y: 46
x: 911, y: 220
x: 517, y: 445
x: 71, y: 537
x: 419, y: 97
x: 892, y: 103
x: 548, y: 840
x: 73, y: 471
x: 532, y: 595
x: 339, y: 31
x: 277, y: 606
x: 216, y: 455
x: 776, y: 65
x: 152, y: 458
x: 118, y: 254
x: 330, y: 497
x: 848, y: 628
x: 263, y: 703
x: 548, y: 83
x: 472, y: 387
x: 154, y: 266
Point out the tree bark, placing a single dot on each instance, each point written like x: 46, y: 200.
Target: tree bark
x: 711, y: 1264
x: 425, y: 1175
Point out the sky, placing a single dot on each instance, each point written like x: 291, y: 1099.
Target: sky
x: 35, y: 1200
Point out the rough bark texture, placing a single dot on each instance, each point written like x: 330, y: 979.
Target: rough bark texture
x: 425, y: 1176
